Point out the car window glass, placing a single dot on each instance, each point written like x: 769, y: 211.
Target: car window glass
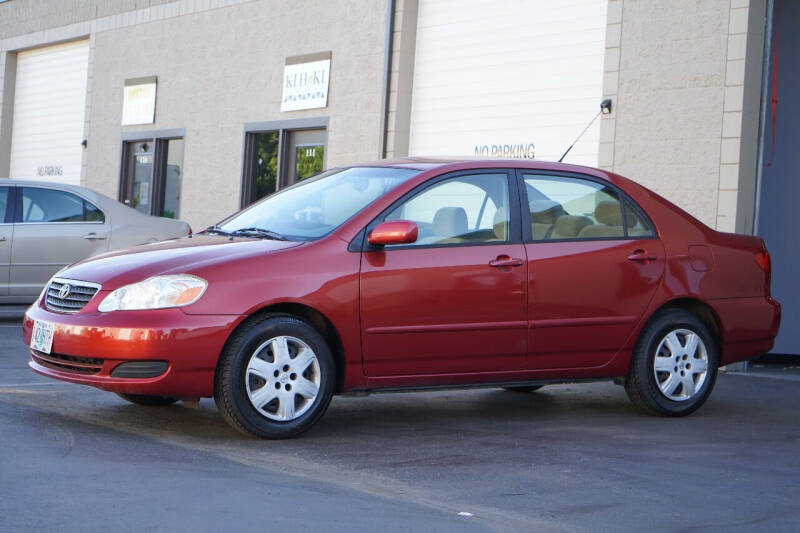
x: 49, y: 205
x: 637, y: 227
x: 571, y: 208
x: 3, y: 203
x: 93, y: 214
x: 316, y: 206
x: 459, y: 210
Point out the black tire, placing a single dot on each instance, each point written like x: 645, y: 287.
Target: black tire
x: 642, y: 384
x: 150, y: 401
x: 230, y: 388
x: 523, y: 388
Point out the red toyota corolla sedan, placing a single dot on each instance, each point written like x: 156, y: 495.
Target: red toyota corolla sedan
x: 414, y: 274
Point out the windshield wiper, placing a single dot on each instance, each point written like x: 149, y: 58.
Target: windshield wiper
x: 217, y: 230
x: 260, y: 232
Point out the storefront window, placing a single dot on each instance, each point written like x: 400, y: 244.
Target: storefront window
x: 275, y: 159
x: 266, y: 167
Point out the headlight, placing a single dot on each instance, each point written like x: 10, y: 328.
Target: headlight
x: 157, y: 292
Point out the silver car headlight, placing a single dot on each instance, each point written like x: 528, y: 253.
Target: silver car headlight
x: 158, y: 292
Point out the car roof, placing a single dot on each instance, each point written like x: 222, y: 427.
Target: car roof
x: 87, y: 193
x: 459, y: 163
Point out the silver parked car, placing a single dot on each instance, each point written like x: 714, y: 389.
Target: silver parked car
x: 46, y: 226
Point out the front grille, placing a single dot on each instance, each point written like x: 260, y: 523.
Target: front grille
x: 78, y: 295
x: 68, y: 363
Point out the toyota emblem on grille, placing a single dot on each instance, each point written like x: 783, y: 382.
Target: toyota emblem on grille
x: 64, y: 291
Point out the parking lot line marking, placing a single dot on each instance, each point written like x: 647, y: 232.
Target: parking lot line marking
x: 790, y: 377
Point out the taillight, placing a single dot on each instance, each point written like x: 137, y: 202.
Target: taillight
x: 190, y: 230
x: 762, y: 260
x: 765, y: 263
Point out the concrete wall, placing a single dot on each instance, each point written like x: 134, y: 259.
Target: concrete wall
x: 19, y: 17
x: 676, y: 72
x: 404, y: 39
x: 219, y: 65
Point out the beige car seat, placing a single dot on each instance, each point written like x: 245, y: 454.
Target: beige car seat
x: 544, y: 214
x: 569, y: 226
x: 449, y: 224
x: 608, y: 214
x: 501, y: 224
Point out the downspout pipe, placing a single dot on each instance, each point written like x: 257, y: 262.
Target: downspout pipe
x: 387, y: 73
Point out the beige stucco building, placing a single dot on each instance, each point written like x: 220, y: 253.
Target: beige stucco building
x: 228, y: 100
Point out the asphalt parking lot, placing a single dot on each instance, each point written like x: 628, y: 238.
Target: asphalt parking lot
x: 566, y: 458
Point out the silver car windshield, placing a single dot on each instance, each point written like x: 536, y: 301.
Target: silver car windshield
x: 315, y: 207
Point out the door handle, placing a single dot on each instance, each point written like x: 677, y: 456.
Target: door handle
x: 94, y: 237
x: 641, y: 255
x: 506, y: 261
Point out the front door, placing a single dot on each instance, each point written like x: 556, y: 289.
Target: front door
x: 152, y: 176
x: 53, y: 229
x: 452, y: 302
x: 137, y: 189
x: 591, y: 274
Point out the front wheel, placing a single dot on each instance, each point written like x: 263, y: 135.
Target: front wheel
x: 275, y: 378
x: 674, y: 365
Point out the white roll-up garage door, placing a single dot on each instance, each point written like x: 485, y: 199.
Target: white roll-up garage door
x: 508, y: 78
x: 49, y: 112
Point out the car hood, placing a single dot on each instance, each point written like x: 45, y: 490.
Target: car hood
x: 185, y: 255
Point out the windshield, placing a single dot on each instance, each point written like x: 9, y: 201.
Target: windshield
x: 316, y: 206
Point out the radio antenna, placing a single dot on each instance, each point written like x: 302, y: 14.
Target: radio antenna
x: 605, y: 109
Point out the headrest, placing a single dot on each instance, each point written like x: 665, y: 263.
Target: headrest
x: 450, y: 222
x: 501, y: 223
x: 608, y: 212
x: 545, y: 211
x: 570, y: 226
x: 631, y: 217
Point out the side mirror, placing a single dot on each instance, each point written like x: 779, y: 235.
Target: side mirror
x: 395, y: 232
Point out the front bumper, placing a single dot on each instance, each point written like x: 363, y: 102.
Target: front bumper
x: 190, y: 344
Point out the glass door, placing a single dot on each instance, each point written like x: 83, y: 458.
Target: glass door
x: 152, y: 176
x: 306, y: 154
x: 140, y: 176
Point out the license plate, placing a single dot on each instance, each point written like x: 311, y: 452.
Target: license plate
x: 42, y: 338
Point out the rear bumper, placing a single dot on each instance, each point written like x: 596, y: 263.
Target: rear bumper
x: 749, y: 326
x: 190, y: 344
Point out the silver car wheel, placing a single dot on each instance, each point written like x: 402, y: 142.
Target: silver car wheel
x: 283, y: 378
x: 680, y: 365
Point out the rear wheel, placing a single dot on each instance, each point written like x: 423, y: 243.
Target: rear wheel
x: 275, y: 378
x: 674, y: 365
x: 151, y: 401
x: 523, y: 388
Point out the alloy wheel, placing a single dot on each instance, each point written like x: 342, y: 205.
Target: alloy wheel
x: 680, y: 364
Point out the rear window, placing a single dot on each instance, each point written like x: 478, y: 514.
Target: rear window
x: 53, y: 206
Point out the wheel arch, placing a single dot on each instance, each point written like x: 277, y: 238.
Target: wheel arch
x: 700, y: 309
x: 317, y: 320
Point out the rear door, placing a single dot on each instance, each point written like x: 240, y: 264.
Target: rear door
x: 591, y: 273
x: 53, y: 228
x: 445, y: 304
x: 6, y: 235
